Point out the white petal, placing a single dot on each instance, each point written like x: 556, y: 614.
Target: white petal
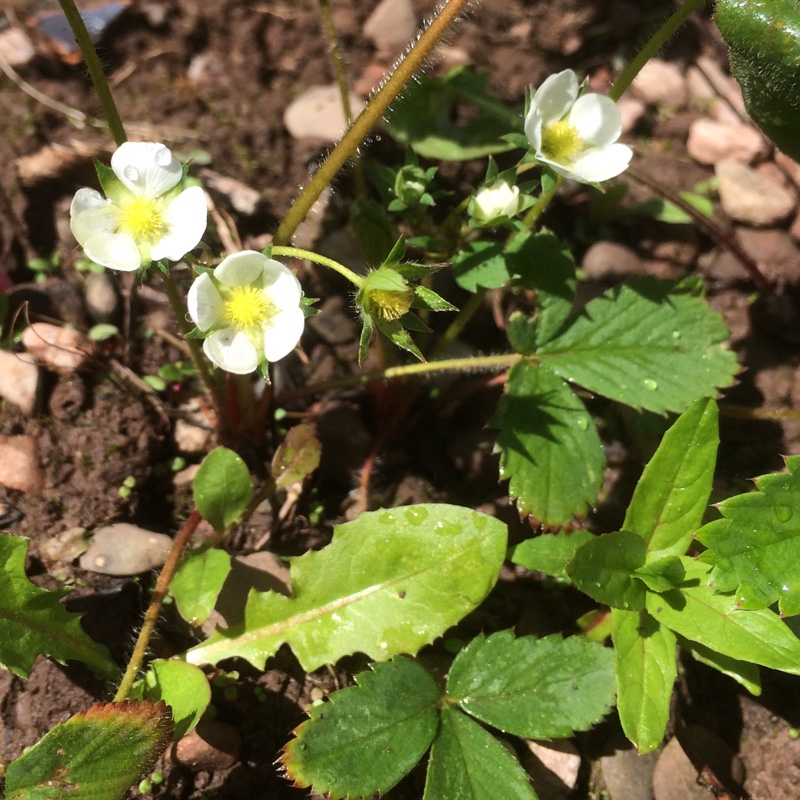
x: 240, y: 269
x: 555, y: 96
x: 148, y: 169
x: 282, y: 333
x: 597, y: 119
x: 601, y: 163
x: 90, y: 214
x: 281, y: 284
x: 533, y: 129
x: 113, y: 250
x: 204, y: 302
x: 186, y: 217
x: 232, y: 351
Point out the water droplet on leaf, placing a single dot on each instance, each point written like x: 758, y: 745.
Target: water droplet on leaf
x: 651, y: 384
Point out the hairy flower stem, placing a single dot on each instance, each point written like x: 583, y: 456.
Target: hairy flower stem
x: 658, y: 40
x: 367, y: 119
x: 156, y: 601
x: 472, y: 364
x: 95, y: 69
x: 297, y: 252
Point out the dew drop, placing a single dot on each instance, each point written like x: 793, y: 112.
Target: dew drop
x: 783, y: 513
x: 416, y: 516
x: 583, y: 423
x: 387, y: 518
x: 651, y: 384
x: 131, y: 173
x: 676, y: 334
x: 163, y: 157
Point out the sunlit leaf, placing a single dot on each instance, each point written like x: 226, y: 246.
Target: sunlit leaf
x: 222, y: 488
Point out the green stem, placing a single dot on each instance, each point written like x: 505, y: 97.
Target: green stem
x: 653, y: 46
x: 297, y: 252
x: 344, y: 90
x: 365, y: 121
x: 195, y: 350
x: 536, y: 211
x: 394, y: 373
x: 95, y: 70
x: 156, y: 601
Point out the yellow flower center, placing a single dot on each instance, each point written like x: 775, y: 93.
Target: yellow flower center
x: 390, y: 305
x: 143, y: 219
x: 561, y: 142
x: 247, y: 307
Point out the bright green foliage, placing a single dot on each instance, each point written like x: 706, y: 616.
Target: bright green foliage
x: 389, y: 582
x: 197, y: 583
x: 296, y: 457
x: 33, y: 620
x: 764, y: 38
x: 543, y: 263
x: 549, y: 448
x: 536, y: 688
x: 183, y: 687
x: 755, y: 547
x: 715, y: 620
x: 96, y: 755
x: 367, y: 737
x: 744, y: 673
x: 423, y: 117
x: 605, y: 569
x: 672, y: 495
x: 549, y: 554
x: 644, y: 653
x: 468, y: 763
x: 648, y: 344
x: 481, y: 264
x: 364, y: 741
x: 222, y: 488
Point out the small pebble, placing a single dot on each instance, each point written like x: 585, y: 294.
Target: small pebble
x: 19, y: 380
x: 661, y: 83
x: 317, y: 114
x: 391, y: 26
x: 19, y: 464
x: 63, y: 350
x: 751, y: 198
x: 711, y: 141
x: 210, y: 746
x: 124, y: 549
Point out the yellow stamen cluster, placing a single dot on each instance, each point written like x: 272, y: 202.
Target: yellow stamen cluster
x: 390, y: 305
x: 247, y: 307
x: 561, y: 142
x: 142, y: 218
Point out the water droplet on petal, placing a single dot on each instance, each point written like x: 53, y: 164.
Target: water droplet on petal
x: 131, y: 173
x: 651, y: 384
x: 163, y: 157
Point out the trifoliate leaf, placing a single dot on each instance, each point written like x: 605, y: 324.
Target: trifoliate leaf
x: 468, y: 763
x: 648, y: 344
x: 481, y: 264
x: 297, y: 456
x: 222, y: 488
x: 543, y: 263
x: 96, y: 755
x: 755, y: 547
x: 367, y: 737
x: 549, y: 553
x: 716, y: 621
x: 644, y: 658
x: 605, y: 567
x: 183, y: 687
x: 672, y: 494
x: 197, y: 583
x: 536, y: 688
x: 549, y: 448
x: 33, y: 621
x: 389, y: 582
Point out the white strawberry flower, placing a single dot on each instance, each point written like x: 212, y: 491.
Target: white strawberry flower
x: 495, y: 201
x: 250, y: 307
x: 145, y: 217
x: 576, y: 136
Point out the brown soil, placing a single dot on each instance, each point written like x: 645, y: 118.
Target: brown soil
x: 217, y: 77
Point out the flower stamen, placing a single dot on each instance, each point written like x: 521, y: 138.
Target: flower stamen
x: 142, y: 218
x: 561, y: 142
x: 247, y: 307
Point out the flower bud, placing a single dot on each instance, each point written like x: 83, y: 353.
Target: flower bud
x: 495, y: 201
x: 410, y: 184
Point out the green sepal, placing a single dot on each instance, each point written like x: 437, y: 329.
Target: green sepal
x: 427, y: 298
x: 367, y: 329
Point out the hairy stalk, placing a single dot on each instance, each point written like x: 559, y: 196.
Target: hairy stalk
x: 337, y: 60
x: 195, y: 350
x: 297, y: 252
x: 95, y: 70
x: 154, y: 609
x: 653, y: 46
x: 369, y: 117
x: 472, y: 364
x: 541, y: 204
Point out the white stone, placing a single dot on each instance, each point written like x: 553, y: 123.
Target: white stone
x: 60, y: 349
x: 391, y: 26
x: 124, y: 549
x: 661, y: 83
x: 711, y: 141
x: 560, y: 757
x: 19, y: 379
x: 102, y: 297
x: 606, y: 260
x: 16, y: 48
x: 19, y: 464
x: 631, y: 111
x: 191, y: 439
x: 751, y: 198
x: 317, y: 114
